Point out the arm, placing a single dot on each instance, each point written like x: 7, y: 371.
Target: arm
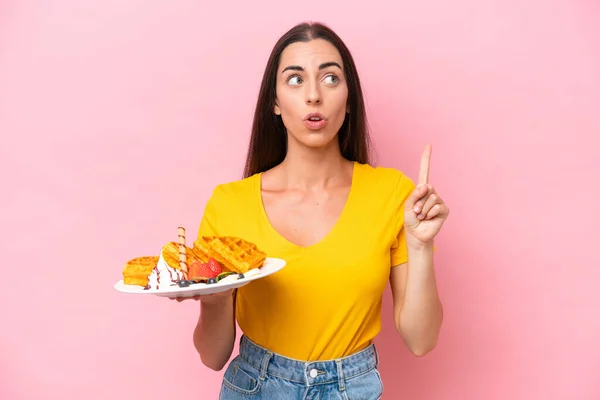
x: 418, y: 312
x: 214, y: 335
x: 215, y: 332
x: 417, y: 308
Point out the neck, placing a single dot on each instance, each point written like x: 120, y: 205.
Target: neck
x: 309, y: 168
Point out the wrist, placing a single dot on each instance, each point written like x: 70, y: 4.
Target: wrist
x: 216, y: 302
x: 415, y: 245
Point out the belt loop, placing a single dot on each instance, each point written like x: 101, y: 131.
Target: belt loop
x: 264, y: 365
x: 340, y: 372
x: 243, y: 344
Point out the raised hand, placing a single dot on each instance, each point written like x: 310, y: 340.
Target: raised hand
x: 424, y: 210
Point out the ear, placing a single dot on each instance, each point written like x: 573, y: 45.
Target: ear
x: 276, y: 110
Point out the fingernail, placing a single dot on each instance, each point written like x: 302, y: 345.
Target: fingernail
x: 420, y: 216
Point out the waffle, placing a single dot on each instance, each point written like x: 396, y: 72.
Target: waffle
x: 170, y: 253
x: 201, y: 249
x: 233, y: 253
x: 137, y: 270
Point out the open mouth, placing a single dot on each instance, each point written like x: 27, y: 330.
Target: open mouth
x: 315, y: 121
x: 314, y: 117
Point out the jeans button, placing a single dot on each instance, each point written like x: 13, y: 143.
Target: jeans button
x: 313, y: 373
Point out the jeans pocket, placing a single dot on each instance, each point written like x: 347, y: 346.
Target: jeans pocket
x: 365, y: 386
x: 242, y: 377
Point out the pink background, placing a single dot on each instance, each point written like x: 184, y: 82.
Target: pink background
x: 118, y: 117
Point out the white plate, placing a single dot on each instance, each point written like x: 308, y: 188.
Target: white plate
x: 270, y: 266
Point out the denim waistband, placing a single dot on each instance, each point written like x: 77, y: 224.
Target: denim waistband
x: 308, y: 372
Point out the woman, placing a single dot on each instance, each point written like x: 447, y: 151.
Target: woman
x: 345, y: 228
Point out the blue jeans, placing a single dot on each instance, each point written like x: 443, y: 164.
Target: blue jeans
x: 256, y: 373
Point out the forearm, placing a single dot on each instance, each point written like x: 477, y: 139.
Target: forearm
x: 421, y: 314
x: 214, y: 335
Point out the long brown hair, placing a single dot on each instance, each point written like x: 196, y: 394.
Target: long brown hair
x: 268, y: 141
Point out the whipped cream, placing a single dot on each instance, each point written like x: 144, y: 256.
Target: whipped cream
x: 229, y: 278
x: 163, y: 276
x: 252, y: 272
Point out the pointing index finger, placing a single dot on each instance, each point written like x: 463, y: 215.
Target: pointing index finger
x: 425, y: 162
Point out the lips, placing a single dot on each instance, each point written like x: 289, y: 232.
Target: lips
x: 315, y: 121
x: 314, y: 117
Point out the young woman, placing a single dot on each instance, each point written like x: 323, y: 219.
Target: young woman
x: 345, y: 229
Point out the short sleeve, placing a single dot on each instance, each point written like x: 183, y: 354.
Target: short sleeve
x: 208, y: 223
x: 398, y: 250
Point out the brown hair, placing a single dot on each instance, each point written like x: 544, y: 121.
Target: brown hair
x: 268, y: 141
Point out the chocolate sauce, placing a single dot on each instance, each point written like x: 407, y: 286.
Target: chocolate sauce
x: 178, y: 276
x: 157, y: 276
x: 148, y: 287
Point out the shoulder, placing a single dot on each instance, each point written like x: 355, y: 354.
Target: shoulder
x: 237, y: 187
x: 233, y: 193
x: 386, y: 179
x: 227, y: 206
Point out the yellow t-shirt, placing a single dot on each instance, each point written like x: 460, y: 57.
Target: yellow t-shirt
x: 326, y: 302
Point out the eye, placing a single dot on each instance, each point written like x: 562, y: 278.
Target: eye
x: 331, y: 79
x: 294, y: 80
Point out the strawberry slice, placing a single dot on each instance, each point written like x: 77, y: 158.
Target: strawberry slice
x: 215, y: 267
x: 199, y: 271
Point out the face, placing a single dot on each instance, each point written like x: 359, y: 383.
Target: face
x: 312, y: 93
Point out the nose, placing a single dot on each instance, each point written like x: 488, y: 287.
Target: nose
x: 313, y: 94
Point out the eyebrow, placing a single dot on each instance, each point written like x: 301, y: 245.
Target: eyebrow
x: 322, y: 66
